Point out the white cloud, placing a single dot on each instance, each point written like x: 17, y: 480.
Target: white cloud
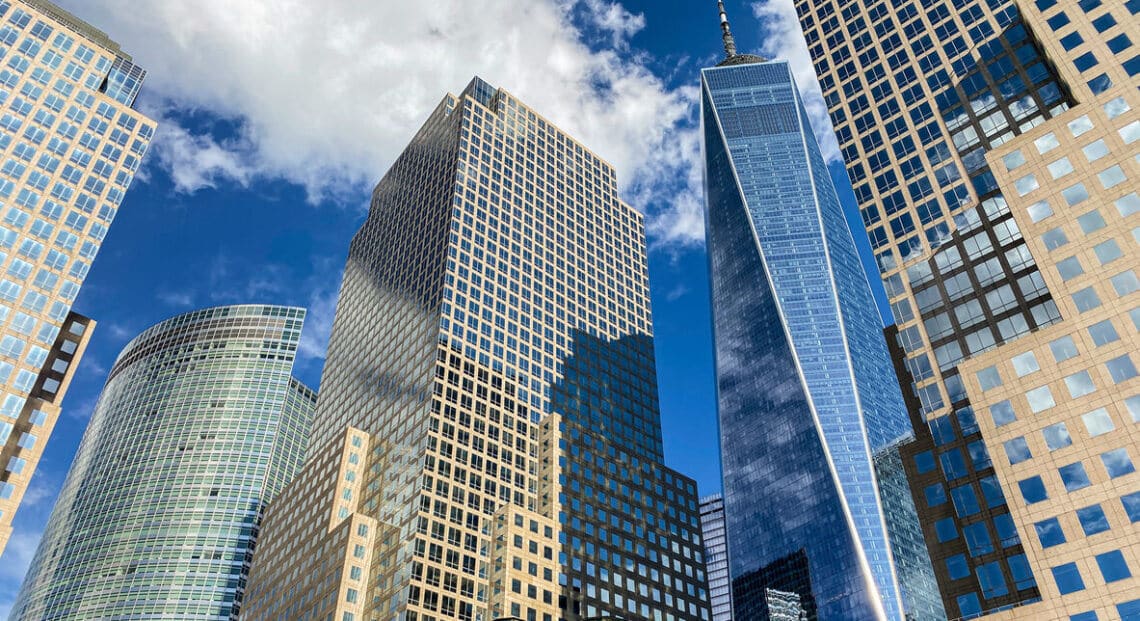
x: 326, y: 94
x: 177, y: 299
x: 782, y: 37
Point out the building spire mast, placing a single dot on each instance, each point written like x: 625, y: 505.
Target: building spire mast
x: 726, y: 32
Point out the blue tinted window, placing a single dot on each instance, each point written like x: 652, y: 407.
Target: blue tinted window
x: 1112, y: 566
x: 1007, y: 532
x: 1119, y: 43
x: 1049, y: 532
x: 924, y: 462
x: 991, y: 490
x: 1084, y: 616
x: 1131, y: 504
x: 965, y: 500
x: 1043, y: 5
x: 991, y: 580
x: 1022, y: 575
x: 935, y: 495
x: 1132, y: 65
x: 942, y: 430
x: 1068, y: 578
x: 1104, y: 22
x: 1032, y: 490
x: 1093, y: 520
x: 1074, y: 477
x: 968, y: 605
x: 946, y: 530
x: 978, y: 539
x: 1017, y: 450
x: 1088, y: 5
x: 1085, y: 61
x: 1071, y: 41
x: 967, y: 421
x: 957, y: 567
x: 1130, y: 611
x: 1100, y: 84
x: 978, y: 455
x: 1059, y: 20
x: 953, y: 464
x: 1117, y: 463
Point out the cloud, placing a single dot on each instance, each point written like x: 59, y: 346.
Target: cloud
x: 327, y: 94
x: 176, y: 299
x: 782, y: 37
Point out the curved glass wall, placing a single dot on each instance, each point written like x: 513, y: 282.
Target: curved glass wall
x: 199, y: 425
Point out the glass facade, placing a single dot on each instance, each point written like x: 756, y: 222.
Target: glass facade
x: 716, y: 556
x: 494, y: 330
x: 69, y: 149
x: 805, y: 386
x: 200, y: 424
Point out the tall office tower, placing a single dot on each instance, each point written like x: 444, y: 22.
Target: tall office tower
x: 492, y: 347
x: 70, y: 144
x: 199, y: 425
x: 924, y: 97
x: 806, y: 391
x: 716, y: 556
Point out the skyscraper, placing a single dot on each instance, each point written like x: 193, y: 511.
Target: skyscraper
x: 992, y: 149
x: 806, y: 393
x: 70, y: 144
x: 716, y: 556
x: 490, y: 385
x: 199, y: 425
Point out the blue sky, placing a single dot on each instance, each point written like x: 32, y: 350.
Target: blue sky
x: 277, y: 118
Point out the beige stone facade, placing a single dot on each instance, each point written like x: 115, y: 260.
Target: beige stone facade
x: 70, y: 144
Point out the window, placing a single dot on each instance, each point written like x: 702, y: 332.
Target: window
x: 1097, y: 422
x: 1093, y: 520
x: 1075, y: 194
x: 1086, y: 299
x: 1049, y: 532
x: 1040, y: 399
x: 978, y: 540
x: 1079, y: 384
x: 1063, y: 349
x: 988, y: 378
x: 1091, y: 222
x: 935, y: 495
x: 1074, y: 477
x: 1068, y: 578
x: 1056, y: 436
x: 957, y: 567
x: 991, y: 580
x: 965, y: 501
x: 1032, y: 490
x: 947, y: 531
x: 1024, y: 364
x: 1095, y: 150
x: 1125, y: 283
x: 1039, y: 211
x: 1002, y: 413
x: 1103, y: 333
x: 1117, y: 463
x: 1112, y: 566
x: 1070, y: 268
x: 1017, y: 450
x: 1121, y: 369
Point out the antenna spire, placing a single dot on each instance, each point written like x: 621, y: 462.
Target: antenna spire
x: 726, y: 32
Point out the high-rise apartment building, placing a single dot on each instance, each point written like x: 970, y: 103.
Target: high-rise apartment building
x: 716, y: 556
x: 966, y: 126
x: 806, y: 392
x: 199, y: 425
x: 70, y: 144
x: 488, y: 441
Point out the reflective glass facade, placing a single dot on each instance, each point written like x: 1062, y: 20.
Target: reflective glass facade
x: 716, y: 556
x: 199, y: 426
x: 805, y: 386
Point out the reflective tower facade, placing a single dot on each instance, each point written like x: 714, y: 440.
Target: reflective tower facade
x: 805, y: 387
x: 199, y: 425
x: 491, y: 372
x: 70, y: 144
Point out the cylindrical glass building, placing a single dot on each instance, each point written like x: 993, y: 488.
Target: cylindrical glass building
x: 199, y: 425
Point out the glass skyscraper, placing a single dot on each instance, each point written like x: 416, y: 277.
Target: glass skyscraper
x: 806, y: 390
x: 716, y: 556
x: 490, y: 385
x: 199, y: 425
x: 70, y: 144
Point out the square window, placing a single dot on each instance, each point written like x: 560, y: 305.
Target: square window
x: 965, y: 501
x: 1070, y: 268
x: 1104, y: 22
x: 1098, y: 422
x: 1107, y: 251
x: 991, y: 491
x: 1024, y: 364
x: 1032, y: 490
x: 1046, y: 143
x: 1132, y: 404
x: 1040, y: 399
x: 991, y: 580
x: 1013, y: 160
x: 1049, y: 532
x: 1093, y: 520
x: 1063, y: 348
x: 1131, y: 504
x: 957, y: 567
x: 1026, y: 184
x: 969, y: 606
x: 1075, y: 194
x: 947, y: 531
x: 1111, y: 177
x: 1060, y: 168
x: 1116, y: 107
x: 1085, y: 61
x: 1130, y: 611
x: 1095, y: 150
x: 1002, y: 413
x: 924, y: 462
x: 1080, y: 125
x: 1086, y: 299
x: 1128, y: 204
x: 1057, y: 436
x: 1117, y: 463
x: 978, y: 540
x: 935, y: 495
x: 1121, y: 369
x: 1039, y: 211
x: 1119, y: 43
x: 1079, y: 384
x: 1022, y: 575
x: 1103, y: 333
x: 1068, y: 578
x: 1017, y: 450
x: 1074, y: 477
x: 1112, y: 566
x: 1125, y: 283
x: 1091, y: 221
x: 1084, y: 616
x: 988, y: 378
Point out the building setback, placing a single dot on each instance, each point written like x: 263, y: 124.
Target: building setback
x: 492, y: 359
x: 992, y: 150
x: 70, y: 144
x: 806, y: 392
x: 199, y: 425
